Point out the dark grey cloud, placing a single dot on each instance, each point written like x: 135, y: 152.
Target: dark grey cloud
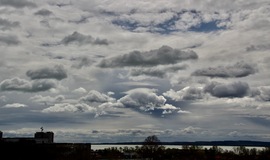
x: 239, y: 69
x: 17, y: 3
x: 17, y: 84
x: 43, y: 12
x: 80, y: 39
x: 261, y: 47
x: 8, y: 25
x: 57, y: 72
x: 47, y: 99
x: 158, y: 71
x: 9, y: 40
x: 162, y: 56
x: 148, y: 72
x: 262, y: 93
x: 59, y: 4
x: 45, y: 23
x: 83, y: 19
x: 230, y: 90
x: 81, y: 62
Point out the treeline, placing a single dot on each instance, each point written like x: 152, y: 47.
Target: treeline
x: 185, y: 153
x: 152, y: 149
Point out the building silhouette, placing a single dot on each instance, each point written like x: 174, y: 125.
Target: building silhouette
x: 39, y: 138
x: 42, y: 146
x: 44, y: 137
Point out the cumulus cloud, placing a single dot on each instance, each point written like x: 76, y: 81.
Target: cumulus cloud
x: 8, y: 25
x: 43, y: 12
x: 157, y: 71
x: 262, y: 93
x: 9, y: 40
x: 15, y: 105
x: 230, y: 90
x: 100, y: 110
x: 17, y: 3
x: 80, y: 90
x: 80, y: 39
x: 67, y: 107
x: 17, y: 84
x: 47, y: 99
x: 57, y: 72
x: 81, y: 62
x: 162, y: 56
x: 239, y: 69
x: 96, y: 97
x: 187, y: 93
x: 168, y: 20
x: 147, y: 100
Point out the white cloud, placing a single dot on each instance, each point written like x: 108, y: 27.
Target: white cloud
x: 15, y: 105
x: 66, y: 107
x: 79, y: 90
x: 187, y: 93
x: 94, y: 96
x: 147, y: 100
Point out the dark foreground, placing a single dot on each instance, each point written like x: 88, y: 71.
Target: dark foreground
x: 53, y: 151
x: 186, y: 153
x: 69, y: 151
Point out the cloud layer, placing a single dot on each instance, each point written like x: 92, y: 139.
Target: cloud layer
x: 182, y: 71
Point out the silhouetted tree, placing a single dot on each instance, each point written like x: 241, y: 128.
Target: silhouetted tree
x: 152, y: 147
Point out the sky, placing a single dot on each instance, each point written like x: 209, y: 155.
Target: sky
x: 122, y: 70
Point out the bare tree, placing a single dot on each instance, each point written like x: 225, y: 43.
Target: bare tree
x: 152, y: 147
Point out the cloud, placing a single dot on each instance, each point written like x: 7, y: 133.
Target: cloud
x: 17, y: 3
x: 43, y: 12
x: 189, y: 130
x: 262, y: 93
x: 47, y: 99
x: 239, y: 69
x: 82, y: 62
x: 157, y: 71
x: 162, y: 56
x: 9, y: 40
x: 187, y: 93
x: 8, y: 25
x: 235, y: 134
x: 15, y: 105
x: 147, y: 100
x: 80, y: 90
x: 230, y: 90
x: 166, y: 21
x: 261, y: 47
x: 96, y: 97
x: 57, y: 72
x: 17, y: 84
x: 3, y: 99
x: 80, y: 39
x: 66, y: 107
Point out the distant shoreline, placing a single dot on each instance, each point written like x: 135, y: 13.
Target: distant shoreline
x: 200, y: 143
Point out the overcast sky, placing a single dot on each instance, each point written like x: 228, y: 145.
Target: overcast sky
x: 111, y: 71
